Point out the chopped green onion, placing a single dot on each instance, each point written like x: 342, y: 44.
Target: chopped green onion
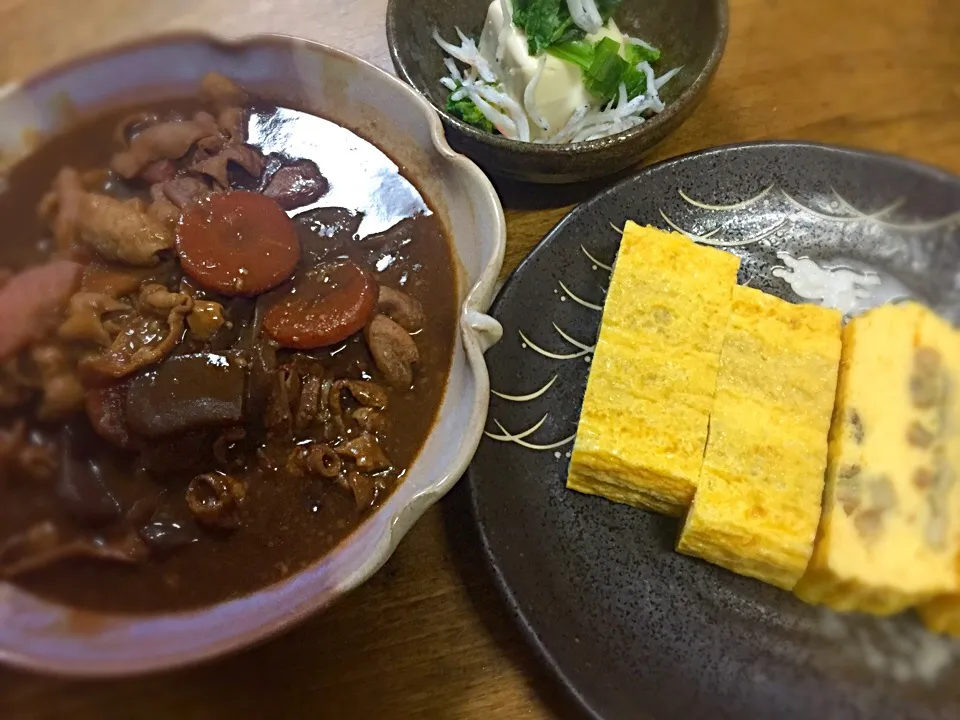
x: 576, y: 52
x: 602, y: 78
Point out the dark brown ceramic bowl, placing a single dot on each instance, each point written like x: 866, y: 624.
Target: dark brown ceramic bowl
x: 691, y: 33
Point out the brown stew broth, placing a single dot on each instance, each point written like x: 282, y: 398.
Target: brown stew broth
x: 372, y: 216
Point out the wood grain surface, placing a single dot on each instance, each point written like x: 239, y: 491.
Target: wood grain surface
x: 428, y: 636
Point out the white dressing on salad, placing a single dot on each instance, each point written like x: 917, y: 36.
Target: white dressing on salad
x: 559, y: 91
x: 550, y: 87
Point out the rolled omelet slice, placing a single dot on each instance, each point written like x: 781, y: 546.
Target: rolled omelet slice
x: 942, y: 614
x: 643, y: 423
x: 758, y: 498
x: 888, y: 538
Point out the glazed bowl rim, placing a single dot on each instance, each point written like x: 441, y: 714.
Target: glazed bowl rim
x: 477, y: 332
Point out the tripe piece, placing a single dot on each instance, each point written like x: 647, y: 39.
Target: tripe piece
x: 758, y: 498
x: 888, y: 536
x: 643, y: 425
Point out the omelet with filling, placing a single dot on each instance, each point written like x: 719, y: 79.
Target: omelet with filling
x: 888, y: 537
x: 758, y: 497
x: 643, y: 423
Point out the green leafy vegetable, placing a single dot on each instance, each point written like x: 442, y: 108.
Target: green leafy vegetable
x: 636, y: 54
x: 577, y: 52
x: 635, y: 81
x: 545, y: 22
x: 466, y: 110
x: 603, y: 68
x: 548, y: 22
x: 602, y: 78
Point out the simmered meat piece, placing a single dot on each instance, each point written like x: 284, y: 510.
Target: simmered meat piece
x: 185, y: 190
x: 156, y: 299
x: 16, y: 386
x: 321, y: 459
x: 369, y: 419
x: 217, y: 166
x: 121, y: 231
x: 44, y: 544
x: 61, y: 207
x: 116, y: 281
x: 297, y: 184
x: 222, y: 92
x: 107, y: 410
x: 394, y: 351
x: 144, y: 340
x: 215, y: 500
x: 161, y: 208
x: 283, y: 395
x: 366, y: 452
x: 404, y: 310
x: 63, y: 394
x: 364, y: 489
x: 206, y: 319
x: 368, y: 394
x: 171, y: 197
x: 159, y: 172
x: 20, y: 453
x: 187, y: 392
x: 31, y: 299
x: 233, y: 123
x: 313, y: 459
x: 84, y: 317
x: 164, y: 141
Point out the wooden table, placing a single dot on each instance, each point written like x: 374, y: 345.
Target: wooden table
x: 428, y: 636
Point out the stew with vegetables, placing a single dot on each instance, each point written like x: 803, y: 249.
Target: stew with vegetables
x: 224, y: 335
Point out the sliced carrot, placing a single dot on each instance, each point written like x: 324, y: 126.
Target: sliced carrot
x: 238, y: 243
x: 326, y: 306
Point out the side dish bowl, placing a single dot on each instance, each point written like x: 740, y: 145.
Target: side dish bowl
x: 45, y: 636
x: 690, y: 33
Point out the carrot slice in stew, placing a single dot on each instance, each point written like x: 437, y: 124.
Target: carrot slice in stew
x: 326, y: 306
x: 238, y: 243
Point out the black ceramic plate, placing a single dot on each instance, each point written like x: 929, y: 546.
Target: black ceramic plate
x: 632, y: 628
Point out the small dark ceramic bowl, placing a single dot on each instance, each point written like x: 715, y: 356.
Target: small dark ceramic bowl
x: 691, y: 34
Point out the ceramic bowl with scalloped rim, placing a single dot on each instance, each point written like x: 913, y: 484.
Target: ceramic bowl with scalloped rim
x: 46, y: 636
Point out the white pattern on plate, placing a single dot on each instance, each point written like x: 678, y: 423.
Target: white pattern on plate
x: 838, y: 285
x: 583, y: 350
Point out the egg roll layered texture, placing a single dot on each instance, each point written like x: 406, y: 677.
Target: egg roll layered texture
x: 818, y: 459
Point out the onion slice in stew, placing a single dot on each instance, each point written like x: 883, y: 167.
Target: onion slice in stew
x: 325, y: 307
x: 238, y: 243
